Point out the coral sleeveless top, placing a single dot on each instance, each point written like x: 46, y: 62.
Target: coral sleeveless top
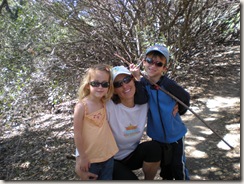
x: 98, y: 140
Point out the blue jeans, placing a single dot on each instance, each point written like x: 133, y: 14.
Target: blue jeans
x: 104, y: 170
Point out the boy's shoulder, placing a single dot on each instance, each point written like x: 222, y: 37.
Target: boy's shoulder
x: 144, y: 81
x: 163, y: 79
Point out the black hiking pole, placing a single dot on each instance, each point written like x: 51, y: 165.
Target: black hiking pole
x: 175, y: 98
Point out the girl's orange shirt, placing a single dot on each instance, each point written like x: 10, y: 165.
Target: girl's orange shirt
x: 97, y: 137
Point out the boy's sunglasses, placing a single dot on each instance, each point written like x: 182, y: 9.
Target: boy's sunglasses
x: 125, y: 80
x: 97, y: 84
x: 151, y: 62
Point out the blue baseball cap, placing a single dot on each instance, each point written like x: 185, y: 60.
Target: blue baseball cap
x: 160, y: 48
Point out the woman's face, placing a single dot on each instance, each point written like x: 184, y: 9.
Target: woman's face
x: 125, y: 87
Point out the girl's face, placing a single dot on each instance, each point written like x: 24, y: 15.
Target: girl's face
x: 99, y: 84
x: 126, y: 90
x: 154, y: 66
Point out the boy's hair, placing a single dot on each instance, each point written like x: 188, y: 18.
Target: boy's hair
x: 159, y: 48
x: 157, y: 54
x: 84, y: 91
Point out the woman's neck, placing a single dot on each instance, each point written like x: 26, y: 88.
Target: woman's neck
x: 128, y: 102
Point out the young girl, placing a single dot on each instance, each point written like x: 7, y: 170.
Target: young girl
x: 92, y: 134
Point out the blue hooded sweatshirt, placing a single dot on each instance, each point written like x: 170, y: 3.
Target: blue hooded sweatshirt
x: 162, y: 126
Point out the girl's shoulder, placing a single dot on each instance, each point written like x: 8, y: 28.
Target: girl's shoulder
x: 79, y: 111
x: 80, y: 105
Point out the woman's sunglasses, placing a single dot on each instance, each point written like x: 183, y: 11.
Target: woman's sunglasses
x: 151, y: 62
x: 125, y: 80
x: 97, y: 84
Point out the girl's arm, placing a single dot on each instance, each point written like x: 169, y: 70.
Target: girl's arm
x: 78, y: 125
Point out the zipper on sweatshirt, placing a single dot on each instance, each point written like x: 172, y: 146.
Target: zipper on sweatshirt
x: 160, y: 115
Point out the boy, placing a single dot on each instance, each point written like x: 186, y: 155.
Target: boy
x: 163, y: 126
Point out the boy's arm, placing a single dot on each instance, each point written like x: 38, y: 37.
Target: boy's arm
x: 141, y: 96
x: 179, y: 92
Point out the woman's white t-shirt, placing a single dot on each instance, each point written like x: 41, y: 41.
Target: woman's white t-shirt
x: 127, y: 125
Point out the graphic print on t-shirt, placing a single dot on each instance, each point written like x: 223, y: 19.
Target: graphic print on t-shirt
x: 131, y: 130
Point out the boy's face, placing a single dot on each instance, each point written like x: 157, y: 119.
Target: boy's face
x: 155, y: 66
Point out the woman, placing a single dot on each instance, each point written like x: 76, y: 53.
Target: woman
x: 127, y: 121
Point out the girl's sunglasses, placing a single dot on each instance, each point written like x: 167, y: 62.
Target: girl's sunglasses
x: 97, y: 84
x: 151, y: 62
x: 125, y: 80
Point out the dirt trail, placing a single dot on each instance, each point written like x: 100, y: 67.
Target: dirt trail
x: 218, y: 103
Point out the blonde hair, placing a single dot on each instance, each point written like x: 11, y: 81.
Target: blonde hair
x: 84, y: 90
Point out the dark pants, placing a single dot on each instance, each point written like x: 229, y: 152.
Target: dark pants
x: 149, y: 151
x: 176, y: 169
